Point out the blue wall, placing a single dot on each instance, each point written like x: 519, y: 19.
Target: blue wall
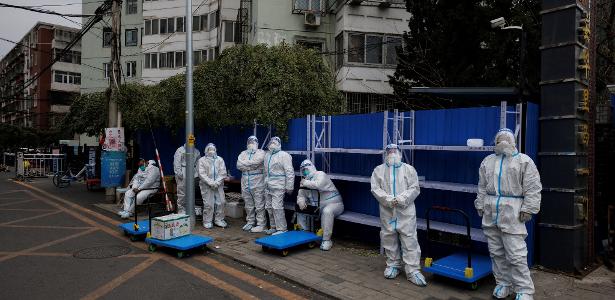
x: 432, y: 127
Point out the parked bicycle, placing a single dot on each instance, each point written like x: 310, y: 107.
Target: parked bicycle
x: 64, y: 178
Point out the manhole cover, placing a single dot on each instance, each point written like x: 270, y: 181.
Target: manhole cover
x: 101, y: 252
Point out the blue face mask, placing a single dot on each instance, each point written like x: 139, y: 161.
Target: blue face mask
x: 142, y: 168
x: 306, y: 172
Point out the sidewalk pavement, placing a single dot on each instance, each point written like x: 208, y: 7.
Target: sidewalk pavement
x: 355, y: 271
x: 352, y: 271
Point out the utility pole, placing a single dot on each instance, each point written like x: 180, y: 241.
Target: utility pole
x: 189, y: 119
x: 115, y: 76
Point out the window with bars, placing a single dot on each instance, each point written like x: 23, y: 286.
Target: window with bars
x: 373, y: 48
x: 132, y: 37
x: 180, y: 24
x: 131, y: 69
x: 107, y: 36
x: 307, y: 5
x: 131, y: 7
x: 66, y: 77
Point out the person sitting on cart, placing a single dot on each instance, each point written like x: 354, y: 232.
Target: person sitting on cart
x: 396, y: 185
x: 136, y: 180
x: 331, y: 204
x: 141, y: 190
x: 508, y: 195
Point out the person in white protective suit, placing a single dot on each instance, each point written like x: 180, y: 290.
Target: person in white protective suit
x: 508, y: 195
x: 279, y: 179
x: 315, y: 184
x: 212, y: 172
x: 396, y: 185
x: 179, y: 167
x: 250, y: 163
x: 148, y: 185
x: 136, y: 180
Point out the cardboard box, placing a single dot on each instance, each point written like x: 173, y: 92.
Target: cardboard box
x: 170, y: 226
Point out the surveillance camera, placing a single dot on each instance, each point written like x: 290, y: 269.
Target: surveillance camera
x: 499, y: 22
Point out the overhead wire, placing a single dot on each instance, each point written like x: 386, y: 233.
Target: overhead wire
x: 42, y: 11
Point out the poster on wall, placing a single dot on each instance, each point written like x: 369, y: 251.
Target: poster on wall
x: 114, y: 139
x: 113, y: 168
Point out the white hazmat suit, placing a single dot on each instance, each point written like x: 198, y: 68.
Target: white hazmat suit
x: 318, y: 184
x: 141, y: 189
x: 508, y: 195
x: 279, y: 179
x: 212, y: 172
x: 179, y: 167
x: 250, y: 163
x: 395, y: 185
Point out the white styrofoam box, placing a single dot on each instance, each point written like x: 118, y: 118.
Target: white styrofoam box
x: 475, y: 142
x: 170, y: 226
x: 234, y: 210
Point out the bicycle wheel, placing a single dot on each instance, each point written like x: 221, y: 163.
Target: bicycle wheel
x: 56, y: 180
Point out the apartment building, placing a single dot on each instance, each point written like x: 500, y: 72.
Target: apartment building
x: 164, y: 34
x: 359, y: 38
x: 41, y: 102
x: 96, y: 55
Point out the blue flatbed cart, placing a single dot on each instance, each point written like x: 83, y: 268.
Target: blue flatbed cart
x: 138, y: 230
x: 465, y: 267
x: 294, y: 238
x: 181, y: 244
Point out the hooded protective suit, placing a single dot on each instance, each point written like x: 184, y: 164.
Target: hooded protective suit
x: 250, y: 163
x: 279, y: 179
x: 508, y: 194
x: 179, y: 167
x: 331, y: 205
x: 395, y: 185
x: 212, y: 172
x: 144, y: 188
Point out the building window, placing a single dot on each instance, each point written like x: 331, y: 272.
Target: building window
x: 131, y: 37
x: 196, y: 23
x: 356, y: 47
x: 107, y: 36
x: 373, y: 49
x: 154, y: 60
x: 170, y: 25
x: 392, y: 45
x: 179, y: 59
x: 163, y: 26
x: 307, y: 5
x: 131, y: 69
x: 196, y: 57
x: 204, y: 25
x: 339, y: 50
x: 163, y: 60
x: 203, y: 55
x: 146, y: 61
x: 228, y: 31
x: 316, y: 45
x: 131, y: 7
x: 180, y: 24
x: 148, y: 27
x: 106, y: 70
x: 171, y: 60
x: 214, y: 18
x: 155, y: 26
x: 210, y: 55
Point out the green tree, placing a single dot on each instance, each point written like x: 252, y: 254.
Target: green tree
x: 450, y: 43
x: 270, y: 84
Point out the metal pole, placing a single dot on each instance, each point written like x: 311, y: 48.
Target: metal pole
x: 115, y: 79
x: 189, y: 119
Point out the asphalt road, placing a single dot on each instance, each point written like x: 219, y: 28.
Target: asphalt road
x: 55, y: 244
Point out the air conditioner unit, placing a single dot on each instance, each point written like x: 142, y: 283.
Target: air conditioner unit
x: 311, y: 19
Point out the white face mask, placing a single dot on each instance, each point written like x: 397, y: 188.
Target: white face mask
x: 393, y: 159
x: 252, y: 146
x: 211, y: 153
x: 505, y: 148
x: 274, y: 147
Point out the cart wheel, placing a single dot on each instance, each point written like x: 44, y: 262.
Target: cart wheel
x: 285, y: 253
x: 311, y: 245
x: 133, y: 238
x: 151, y: 247
x: 125, y: 233
x: 265, y: 248
x: 474, y: 285
x: 180, y: 254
